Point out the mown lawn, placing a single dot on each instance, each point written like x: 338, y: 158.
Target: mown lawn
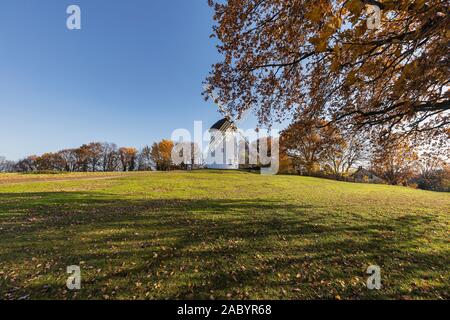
x: 220, y: 235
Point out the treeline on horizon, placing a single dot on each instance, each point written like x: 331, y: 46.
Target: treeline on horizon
x: 96, y: 157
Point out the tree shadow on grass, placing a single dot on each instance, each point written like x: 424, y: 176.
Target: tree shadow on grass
x: 204, y: 248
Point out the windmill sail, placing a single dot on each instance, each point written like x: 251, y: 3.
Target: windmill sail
x: 224, y: 125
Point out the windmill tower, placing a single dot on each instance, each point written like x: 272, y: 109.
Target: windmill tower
x: 224, y: 151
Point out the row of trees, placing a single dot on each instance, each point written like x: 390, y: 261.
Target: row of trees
x: 94, y: 157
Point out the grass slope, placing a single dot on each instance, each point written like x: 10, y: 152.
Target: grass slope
x: 222, y: 235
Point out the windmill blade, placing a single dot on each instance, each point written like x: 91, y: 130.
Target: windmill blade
x: 243, y: 137
x: 242, y: 117
x: 231, y: 123
x: 218, y: 138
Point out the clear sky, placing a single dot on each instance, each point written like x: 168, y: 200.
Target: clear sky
x: 131, y: 75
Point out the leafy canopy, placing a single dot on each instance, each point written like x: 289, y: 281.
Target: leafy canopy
x: 303, y: 59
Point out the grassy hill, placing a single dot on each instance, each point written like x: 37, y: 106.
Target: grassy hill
x: 221, y: 235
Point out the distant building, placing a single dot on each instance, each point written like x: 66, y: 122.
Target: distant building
x: 364, y: 175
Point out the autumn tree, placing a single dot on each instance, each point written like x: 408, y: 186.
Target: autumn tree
x: 50, y: 162
x: 2, y: 163
x: 82, y: 155
x: 394, y: 161
x: 69, y: 159
x: 109, y: 157
x: 308, y: 144
x: 347, y: 150
x: 94, y: 153
x: 6, y: 165
x: 127, y: 158
x: 161, y: 154
x: 433, y: 171
x: 145, y: 159
x: 318, y: 58
x: 27, y: 165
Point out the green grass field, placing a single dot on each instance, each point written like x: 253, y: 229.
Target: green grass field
x: 219, y: 235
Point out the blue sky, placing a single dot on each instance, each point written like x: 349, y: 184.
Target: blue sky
x: 131, y: 75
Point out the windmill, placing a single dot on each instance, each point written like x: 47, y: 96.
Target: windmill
x: 223, y: 127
